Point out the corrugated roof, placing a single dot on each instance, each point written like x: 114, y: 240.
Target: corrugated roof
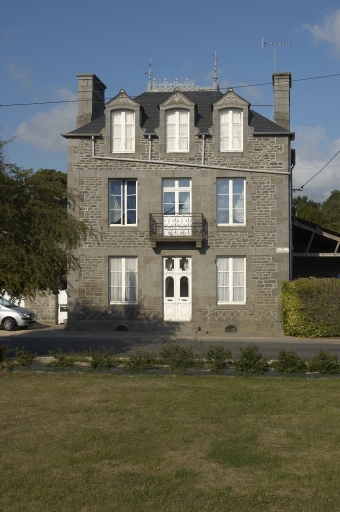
x: 203, y: 100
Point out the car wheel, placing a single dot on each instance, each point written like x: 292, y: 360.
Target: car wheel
x: 9, y: 324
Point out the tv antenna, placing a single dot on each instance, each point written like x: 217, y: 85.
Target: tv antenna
x: 274, y: 45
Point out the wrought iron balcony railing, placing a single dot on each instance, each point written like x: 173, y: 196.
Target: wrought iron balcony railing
x: 186, y: 227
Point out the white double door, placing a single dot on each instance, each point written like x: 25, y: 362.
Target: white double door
x: 177, y: 289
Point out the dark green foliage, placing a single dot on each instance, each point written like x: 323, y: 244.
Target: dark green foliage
x: 61, y: 359
x: 289, y: 361
x: 102, y: 359
x: 140, y: 361
x: 326, y: 214
x: 324, y: 362
x: 218, y: 357
x: 38, y: 232
x: 309, y: 210
x: 23, y: 357
x: 178, y: 357
x: 251, y: 360
x: 311, y: 307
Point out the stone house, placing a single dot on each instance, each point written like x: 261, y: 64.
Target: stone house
x: 188, y: 191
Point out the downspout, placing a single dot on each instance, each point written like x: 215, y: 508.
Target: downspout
x: 203, y: 149
x: 291, y: 221
x: 183, y: 164
x: 150, y: 146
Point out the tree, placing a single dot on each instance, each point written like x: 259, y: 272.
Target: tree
x: 331, y: 210
x: 325, y: 214
x: 38, y: 231
x: 309, y: 210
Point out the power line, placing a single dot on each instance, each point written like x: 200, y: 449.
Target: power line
x: 301, y: 188
x: 222, y: 88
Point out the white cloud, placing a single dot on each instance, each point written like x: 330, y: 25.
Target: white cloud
x: 313, y: 151
x: 43, y: 129
x: 328, y: 32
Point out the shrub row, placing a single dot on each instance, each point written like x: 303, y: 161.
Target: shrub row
x: 311, y: 307
x: 177, y: 357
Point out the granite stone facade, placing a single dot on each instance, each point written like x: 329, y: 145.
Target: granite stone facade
x: 262, y: 240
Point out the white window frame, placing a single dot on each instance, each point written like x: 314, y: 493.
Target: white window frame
x: 231, y: 130
x: 231, y: 207
x: 177, y: 134
x: 124, y: 279
x: 124, y: 203
x: 123, y: 148
x: 230, y: 263
x: 176, y: 189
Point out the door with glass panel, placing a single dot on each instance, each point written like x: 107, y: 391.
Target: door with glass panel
x: 177, y: 207
x: 177, y: 289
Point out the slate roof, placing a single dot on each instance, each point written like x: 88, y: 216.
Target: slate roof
x: 203, y: 100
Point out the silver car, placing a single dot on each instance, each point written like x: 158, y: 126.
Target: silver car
x: 12, y: 316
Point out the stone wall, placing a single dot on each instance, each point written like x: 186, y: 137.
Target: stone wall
x: 45, y: 308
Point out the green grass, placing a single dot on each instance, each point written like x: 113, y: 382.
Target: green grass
x: 105, y: 443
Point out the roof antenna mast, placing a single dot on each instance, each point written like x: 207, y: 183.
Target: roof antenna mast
x: 274, y: 45
x: 150, y: 75
x: 215, y: 86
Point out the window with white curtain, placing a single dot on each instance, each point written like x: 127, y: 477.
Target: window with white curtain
x: 123, y: 202
x: 231, y: 280
x: 122, y: 131
x: 177, y: 130
x: 230, y: 129
x: 230, y: 201
x: 123, y: 280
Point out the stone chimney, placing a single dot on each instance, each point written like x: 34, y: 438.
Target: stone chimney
x: 91, y: 98
x: 282, y: 83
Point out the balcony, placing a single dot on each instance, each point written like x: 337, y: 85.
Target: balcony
x: 179, y: 228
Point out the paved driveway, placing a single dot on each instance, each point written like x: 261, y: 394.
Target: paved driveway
x: 41, y: 339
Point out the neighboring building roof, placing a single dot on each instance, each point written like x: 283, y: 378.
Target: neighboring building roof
x: 203, y: 100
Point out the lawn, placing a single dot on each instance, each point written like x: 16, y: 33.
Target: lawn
x: 105, y: 443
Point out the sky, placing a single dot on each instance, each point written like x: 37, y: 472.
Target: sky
x: 45, y: 44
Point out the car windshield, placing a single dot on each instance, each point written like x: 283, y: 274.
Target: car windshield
x: 7, y: 303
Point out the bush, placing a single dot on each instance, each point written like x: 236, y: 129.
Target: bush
x: 324, y: 362
x: 289, y: 361
x: 23, y: 357
x: 218, y: 357
x: 140, y: 361
x: 251, y: 360
x: 3, y: 353
x: 61, y: 359
x: 311, y: 307
x: 102, y: 359
x: 178, y: 357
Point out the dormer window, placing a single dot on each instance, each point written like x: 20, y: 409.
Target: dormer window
x: 230, y: 129
x: 177, y: 131
x: 122, y: 131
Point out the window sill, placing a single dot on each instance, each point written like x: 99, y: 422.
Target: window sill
x: 230, y: 227
x: 231, y: 304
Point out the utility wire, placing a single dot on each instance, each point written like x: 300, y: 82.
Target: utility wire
x: 222, y: 88
x: 301, y: 188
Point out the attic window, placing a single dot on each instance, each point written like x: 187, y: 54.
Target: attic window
x: 177, y: 131
x: 230, y: 121
x: 122, y: 131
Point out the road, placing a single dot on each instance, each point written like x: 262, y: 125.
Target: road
x: 41, y: 339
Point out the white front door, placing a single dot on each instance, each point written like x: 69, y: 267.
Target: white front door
x: 177, y: 289
x: 177, y: 207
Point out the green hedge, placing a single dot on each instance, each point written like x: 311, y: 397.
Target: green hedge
x: 311, y: 307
